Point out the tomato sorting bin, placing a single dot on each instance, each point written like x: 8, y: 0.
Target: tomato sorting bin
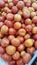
x: 2, y: 62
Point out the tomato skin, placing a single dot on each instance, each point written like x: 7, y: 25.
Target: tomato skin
x: 26, y: 58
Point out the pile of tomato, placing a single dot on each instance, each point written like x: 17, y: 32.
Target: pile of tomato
x: 18, y: 30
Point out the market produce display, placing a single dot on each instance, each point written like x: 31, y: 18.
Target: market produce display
x: 18, y: 30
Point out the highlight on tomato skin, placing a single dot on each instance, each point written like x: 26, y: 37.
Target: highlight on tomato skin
x: 18, y: 30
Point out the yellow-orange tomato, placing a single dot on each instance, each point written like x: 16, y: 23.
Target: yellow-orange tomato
x: 31, y: 9
x: 26, y: 13
x: 33, y: 14
x: 26, y: 58
x: 20, y: 12
x: 34, y: 30
x: 4, y: 29
x: 17, y: 17
x: 16, y: 56
x: 28, y: 21
x: 22, y: 53
x: 15, y: 42
x: 31, y: 50
x: 28, y: 43
x: 22, y: 32
x: 17, y: 25
x: 34, y: 5
x: 10, y: 49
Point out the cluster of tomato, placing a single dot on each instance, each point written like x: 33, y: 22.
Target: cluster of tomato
x: 18, y: 30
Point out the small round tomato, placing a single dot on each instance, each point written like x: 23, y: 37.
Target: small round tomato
x: 6, y: 57
x: 22, y: 53
x: 10, y: 16
x: 19, y: 62
x: 20, y: 12
x: 33, y: 14
x: 4, y: 29
x: 31, y: 50
x: 10, y: 37
x: 26, y: 58
x: 31, y: 9
x: 21, y: 47
x: 7, y: 10
x: 22, y: 32
x: 16, y: 56
x: 8, y: 23
x: 34, y: 5
x: 28, y: 28
x: 14, y: 9
x: 17, y: 25
x: 26, y: 13
x: 27, y: 36
x: 12, y: 31
x: 28, y: 43
x: 4, y: 42
x: 17, y: 17
x: 20, y: 4
x: 10, y: 49
x: 28, y: 21
x: 28, y: 3
x: 10, y: 5
x: 15, y: 42
x: 20, y: 38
